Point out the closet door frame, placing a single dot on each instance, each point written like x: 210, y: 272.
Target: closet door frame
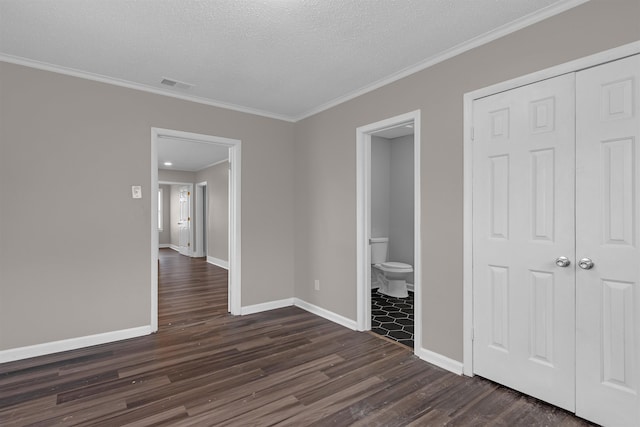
x: 469, y: 98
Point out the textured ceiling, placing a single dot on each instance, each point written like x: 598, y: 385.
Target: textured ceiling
x: 283, y: 58
x: 189, y: 155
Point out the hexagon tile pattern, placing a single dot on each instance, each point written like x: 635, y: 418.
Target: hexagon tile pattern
x: 392, y: 317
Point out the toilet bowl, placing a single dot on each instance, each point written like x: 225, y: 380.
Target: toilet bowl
x: 391, y: 277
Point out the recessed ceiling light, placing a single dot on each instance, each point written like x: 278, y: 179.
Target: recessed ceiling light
x: 168, y: 163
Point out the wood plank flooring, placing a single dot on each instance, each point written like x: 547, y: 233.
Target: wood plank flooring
x: 284, y: 367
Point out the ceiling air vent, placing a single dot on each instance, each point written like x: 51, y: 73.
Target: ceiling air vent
x: 176, y: 84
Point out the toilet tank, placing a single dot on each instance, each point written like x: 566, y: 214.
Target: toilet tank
x: 379, y: 249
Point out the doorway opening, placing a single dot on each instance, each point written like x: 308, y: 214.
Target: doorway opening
x: 394, y: 286
x: 233, y: 152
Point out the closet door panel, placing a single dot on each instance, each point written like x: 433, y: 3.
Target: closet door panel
x: 523, y: 202
x: 608, y: 233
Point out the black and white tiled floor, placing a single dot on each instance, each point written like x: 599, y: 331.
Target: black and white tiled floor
x: 392, y: 317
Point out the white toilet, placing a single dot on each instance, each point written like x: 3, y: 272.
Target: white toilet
x: 391, y: 277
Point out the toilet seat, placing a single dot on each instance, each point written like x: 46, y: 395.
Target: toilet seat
x: 395, y: 267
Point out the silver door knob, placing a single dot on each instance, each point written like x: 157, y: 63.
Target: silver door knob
x: 563, y: 261
x: 585, y: 264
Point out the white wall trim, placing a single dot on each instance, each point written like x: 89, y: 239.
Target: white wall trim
x: 568, y: 67
x: 363, y: 221
x: 313, y: 309
x: 234, y: 248
x: 329, y: 315
x: 217, y: 261
x: 71, y: 344
x: 192, y: 200
x: 137, y: 86
x: 201, y: 211
x: 213, y: 164
x: 174, y: 247
x: 173, y: 182
x: 488, y: 37
x: 155, y: 234
x: 164, y: 245
x: 439, y: 360
x: 266, y: 306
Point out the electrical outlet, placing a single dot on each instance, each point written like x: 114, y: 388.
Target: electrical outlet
x: 317, y: 284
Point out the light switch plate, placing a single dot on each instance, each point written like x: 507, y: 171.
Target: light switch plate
x: 136, y: 191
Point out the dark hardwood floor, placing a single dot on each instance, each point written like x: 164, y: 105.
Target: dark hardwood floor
x: 282, y: 367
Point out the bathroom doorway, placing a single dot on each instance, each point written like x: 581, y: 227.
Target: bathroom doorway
x: 388, y: 238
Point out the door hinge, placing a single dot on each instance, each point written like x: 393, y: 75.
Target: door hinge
x: 189, y: 219
x: 188, y: 244
x: 188, y: 193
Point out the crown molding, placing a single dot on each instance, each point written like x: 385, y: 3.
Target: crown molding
x: 429, y: 62
x: 485, y: 38
x: 136, y: 86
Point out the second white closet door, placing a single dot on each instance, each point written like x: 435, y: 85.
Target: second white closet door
x: 608, y: 233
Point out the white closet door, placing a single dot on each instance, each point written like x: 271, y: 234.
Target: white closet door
x: 523, y: 210
x: 608, y: 232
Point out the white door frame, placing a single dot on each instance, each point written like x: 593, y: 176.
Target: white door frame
x: 363, y: 209
x: 201, y: 211
x: 569, y: 67
x: 234, y: 146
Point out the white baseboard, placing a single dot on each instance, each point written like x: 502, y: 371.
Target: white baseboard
x: 314, y: 309
x: 329, y: 315
x: 174, y: 247
x: 219, y: 262
x: 164, y: 245
x: 71, y: 344
x: 440, y: 361
x: 266, y: 306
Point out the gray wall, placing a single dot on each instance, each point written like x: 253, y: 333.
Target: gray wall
x: 217, y: 178
x: 401, y: 226
x: 164, y: 236
x: 392, y: 195
x: 167, y: 175
x: 380, y: 186
x: 63, y: 279
x: 325, y: 159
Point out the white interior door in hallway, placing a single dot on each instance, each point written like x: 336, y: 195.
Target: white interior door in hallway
x: 556, y: 265
x: 184, y: 222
